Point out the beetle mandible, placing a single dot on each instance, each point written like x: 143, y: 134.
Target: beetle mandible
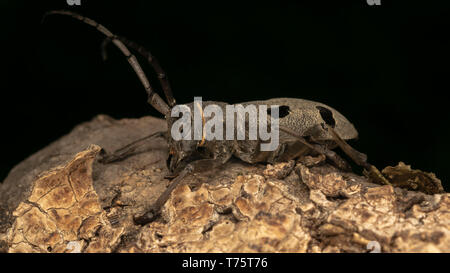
x: 306, y: 127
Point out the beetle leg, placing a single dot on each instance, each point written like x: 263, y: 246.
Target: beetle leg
x: 335, y: 158
x: 154, y: 211
x: 359, y: 158
x: 129, y: 149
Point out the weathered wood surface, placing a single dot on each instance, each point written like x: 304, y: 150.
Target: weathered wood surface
x: 61, y: 199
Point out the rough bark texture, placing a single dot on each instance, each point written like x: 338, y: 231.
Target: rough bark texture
x: 62, y: 200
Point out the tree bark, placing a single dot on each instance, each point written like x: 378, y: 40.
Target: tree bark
x: 61, y: 199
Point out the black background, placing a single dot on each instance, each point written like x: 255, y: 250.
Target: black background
x: 276, y: 262
x: 384, y: 67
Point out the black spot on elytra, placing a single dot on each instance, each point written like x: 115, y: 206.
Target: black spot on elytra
x: 283, y: 111
x: 327, y: 116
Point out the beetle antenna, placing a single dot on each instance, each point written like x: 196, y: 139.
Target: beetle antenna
x: 162, y: 76
x: 153, y: 98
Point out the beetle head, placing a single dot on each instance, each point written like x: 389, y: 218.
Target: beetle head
x: 181, y: 152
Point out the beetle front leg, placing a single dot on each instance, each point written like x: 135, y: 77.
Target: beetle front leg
x: 197, y: 166
x: 129, y: 149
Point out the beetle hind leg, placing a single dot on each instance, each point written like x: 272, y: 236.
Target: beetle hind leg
x: 359, y: 158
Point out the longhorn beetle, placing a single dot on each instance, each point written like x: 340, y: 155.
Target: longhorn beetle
x: 307, y: 127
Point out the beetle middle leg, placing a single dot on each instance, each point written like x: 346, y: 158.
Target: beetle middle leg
x: 332, y: 156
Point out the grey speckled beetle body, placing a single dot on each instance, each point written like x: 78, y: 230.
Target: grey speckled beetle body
x: 301, y: 116
x: 305, y: 127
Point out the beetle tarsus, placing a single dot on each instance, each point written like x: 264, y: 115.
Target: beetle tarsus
x: 376, y: 176
x: 147, y: 217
